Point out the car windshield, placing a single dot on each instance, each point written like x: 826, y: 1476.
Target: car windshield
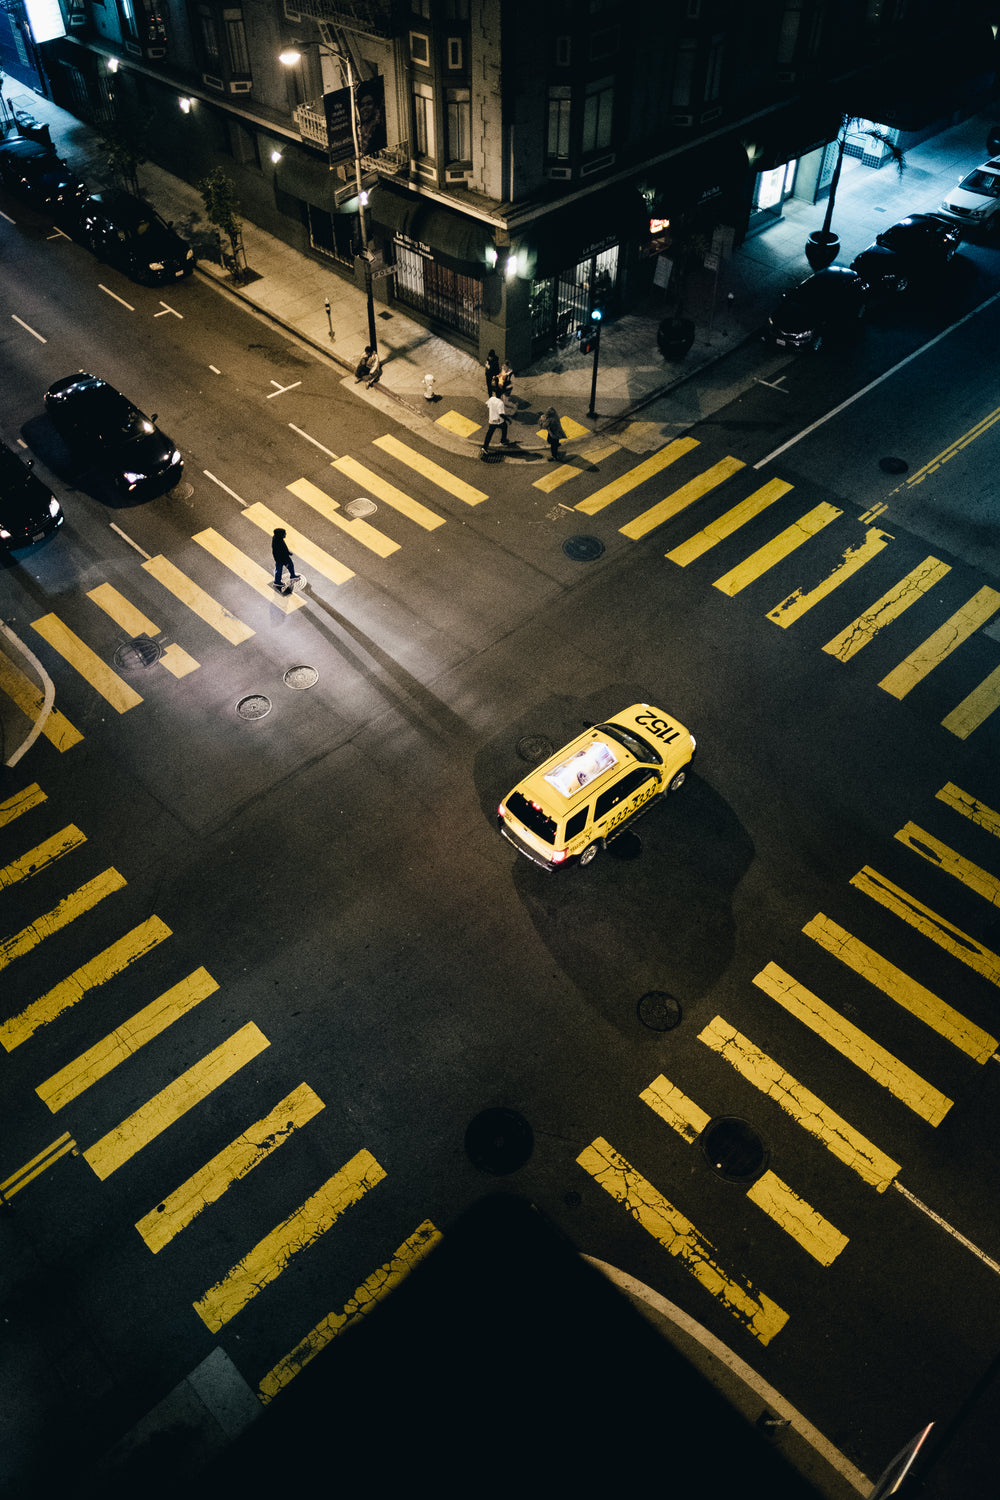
x: 986, y: 183
x: 532, y: 816
x: 633, y: 743
x: 113, y: 416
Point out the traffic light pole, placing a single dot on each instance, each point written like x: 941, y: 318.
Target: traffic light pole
x: 593, y: 379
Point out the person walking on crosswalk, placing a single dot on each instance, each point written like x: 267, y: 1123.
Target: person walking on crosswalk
x: 282, y: 558
x: 496, y: 417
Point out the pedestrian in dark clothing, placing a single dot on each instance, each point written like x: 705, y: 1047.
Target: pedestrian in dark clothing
x: 282, y: 558
x: 492, y: 368
x: 369, y: 368
x: 554, y: 432
x: 496, y: 417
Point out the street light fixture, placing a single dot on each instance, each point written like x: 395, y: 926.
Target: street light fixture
x: 290, y: 57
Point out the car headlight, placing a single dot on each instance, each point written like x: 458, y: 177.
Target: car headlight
x: 156, y: 265
x: 4, y: 534
x: 132, y: 478
x: 175, y: 457
x: 190, y: 255
x: 53, y: 507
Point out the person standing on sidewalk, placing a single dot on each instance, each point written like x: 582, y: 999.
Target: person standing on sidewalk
x: 496, y: 417
x: 492, y: 371
x: 282, y: 558
x: 554, y: 432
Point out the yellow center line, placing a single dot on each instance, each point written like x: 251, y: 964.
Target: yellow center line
x: 266, y: 1261
x: 939, y: 645
x: 631, y: 480
x: 37, y: 1165
x: 170, y: 1104
x: 30, y: 700
x: 672, y: 505
x: 679, y: 1237
x: 970, y: 807
x: 974, y: 709
x: 229, y: 1165
x: 328, y: 508
x: 963, y: 442
x: 855, y: 558
x: 776, y: 550
x: 68, y: 909
x: 841, y: 1140
x: 21, y: 802
x: 932, y: 849
x: 430, y: 470
x: 918, y: 582
x: 375, y: 485
x: 881, y: 1066
x: 952, y: 939
x: 89, y: 665
x: 44, y: 854
x: 197, y: 601
x: 724, y: 526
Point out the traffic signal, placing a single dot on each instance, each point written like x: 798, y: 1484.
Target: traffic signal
x: 589, y: 336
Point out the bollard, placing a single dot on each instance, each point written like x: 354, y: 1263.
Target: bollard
x: 329, y: 320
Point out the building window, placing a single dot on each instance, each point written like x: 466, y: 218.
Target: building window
x: 456, y: 10
x: 557, y: 146
x: 604, y: 43
x: 816, y: 32
x: 713, y: 74
x: 210, y: 39
x: 459, y: 124
x: 693, y: 9
x: 454, y: 52
x: 683, y: 75
x: 420, y: 48
x: 421, y: 8
x: 598, y: 108
x: 423, y: 119
x: 236, y: 40
x: 563, y: 51
x: 788, y: 37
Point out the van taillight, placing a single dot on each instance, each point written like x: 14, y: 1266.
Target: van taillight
x: 501, y: 811
x: 559, y: 856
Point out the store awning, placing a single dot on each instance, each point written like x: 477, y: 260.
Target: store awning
x: 567, y: 234
x: 449, y: 235
x: 710, y: 175
x: 306, y: 177
x: 790, y: 132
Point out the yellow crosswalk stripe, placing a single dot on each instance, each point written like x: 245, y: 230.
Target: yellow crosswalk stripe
x: 908, y: 591
x: 89, y: 976
x: 932, y: 849
x: 673, y: 1106
x: 672, y: 505
x: 952, y: 939
x: 946, y: 639
x: 31, y: 701
x: 798, y: 603
x: 300, y: 546
x: 203, y: 605
x: 177, y: 661
x: 881, y: 1066
x: 555, y: 477
x: 229, y: 1165
x: 974, y: 709
x: 679, y: 1237
x: 631, y: 480
x: 68, y: 909
x: 124, y: 1042
x: 901, y: 989
x: 724, y: 526
x: 375, y: 485
x: 328, y: 508
x: 170, y: 1104
x: 122, y: 610
x: 444, y: 480
x: 777, y: 549
x: 266, y: 1261
x: 816, y: 1235
x: 21, y: 802
x: 89, y: 665
x: 970, y: 807
x: 259, y: 579
x: 43, y: 855
x: 371, y: 1291
x: 841, y: 1140
x: 453, y: 421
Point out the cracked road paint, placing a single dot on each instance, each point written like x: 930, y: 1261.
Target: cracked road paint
x: 909, y: 590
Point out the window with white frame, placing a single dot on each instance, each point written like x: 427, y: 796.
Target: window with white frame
x: 713, y: 73
x: 423, y: 119
x: 557, y: 143
x: 459, y: 116
x: 236, y: 41
x: 683, y: 83
x: 420, y: 48
x: 454, y: 52
x: 598, y: 109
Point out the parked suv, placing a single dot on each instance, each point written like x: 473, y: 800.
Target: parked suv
x: 129, y: 233
x: 36, y: 173
x: 976, y: 199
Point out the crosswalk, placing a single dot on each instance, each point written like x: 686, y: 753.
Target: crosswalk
x: 142, y: 1042
x: 841, y: 955
x: 738, y: 542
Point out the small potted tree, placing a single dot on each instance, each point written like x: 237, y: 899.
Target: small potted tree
x: 823, y: 245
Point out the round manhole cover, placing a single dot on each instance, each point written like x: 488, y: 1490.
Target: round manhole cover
x: 659, y: 1011
x: 583, y: 548
x: 256, y: 706
x: 182, y: 491
x: 499, y: 1141
x: 625, y: 846
x: 533, y: 748
x: 362, y: 506
x: 301, y: 677
x: 893, y: 465
x: 734, y: 1149
x: 138, y: 653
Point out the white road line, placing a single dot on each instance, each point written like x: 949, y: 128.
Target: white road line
x: 129, y: 540
x: 310, y: 439
x: 215, y: 369
x: 282, y: 389
x: 209, y: 475
x: 57, y: 234
x: 168, y: 309
x: 28, y: 329
x: 945, y: 1225
x: 49, y: 690
x: 7, y: 217
x: 873, y: 383
x: 116, y: 296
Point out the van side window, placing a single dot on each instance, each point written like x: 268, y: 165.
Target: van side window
x: 617, y: 793
x: 576, y: 824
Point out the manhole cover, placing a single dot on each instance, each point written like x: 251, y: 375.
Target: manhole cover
x: 301, y: 677
x: 625, y: 846
x: 499, y: 1141
x: 142, y: 652
x: 734, y: 1149
x: 182, y: 491
x: 533, y: 748
x: 893, y: 465
x: 583, y: 548
x: 362, y: 506
x: 256, y: 706
x: 659, y: 1011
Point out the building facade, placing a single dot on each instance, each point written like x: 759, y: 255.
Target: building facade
x: 521, y: 159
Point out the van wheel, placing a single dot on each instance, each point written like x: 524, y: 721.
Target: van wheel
x: 677, y: 782
x: 589, y: 853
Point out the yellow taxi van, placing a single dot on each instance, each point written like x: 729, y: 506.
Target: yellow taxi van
x: 569, y: 807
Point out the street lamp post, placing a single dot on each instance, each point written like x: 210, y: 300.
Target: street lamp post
x: 290, y: 57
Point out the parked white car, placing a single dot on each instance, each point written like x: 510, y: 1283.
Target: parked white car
x: 976, y: 200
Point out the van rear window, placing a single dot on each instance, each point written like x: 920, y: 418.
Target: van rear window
x: 532, y: 816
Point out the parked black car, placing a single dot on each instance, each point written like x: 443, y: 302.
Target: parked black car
x: 28, y: 511
x: 36, y: 173
x: 828, y: 303
x: 101, y: 426
x: 882, y: 270
x: 925, y: 242
x: 129, y: 233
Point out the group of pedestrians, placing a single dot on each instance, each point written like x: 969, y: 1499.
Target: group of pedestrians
x: 499, y: 386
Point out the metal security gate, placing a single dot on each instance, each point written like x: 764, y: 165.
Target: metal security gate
x: 560, y: 305
x: 432, y: 289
